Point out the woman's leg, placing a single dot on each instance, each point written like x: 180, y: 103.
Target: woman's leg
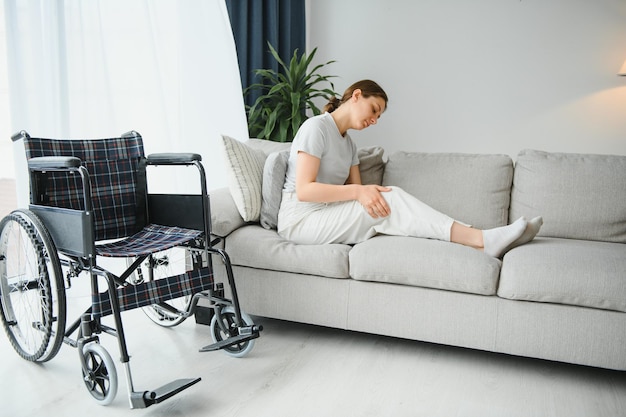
x: 492, y: 241
x: 466, y: 235
x: 412, y: 217
x: 499, y: 240
x: 348, y: 222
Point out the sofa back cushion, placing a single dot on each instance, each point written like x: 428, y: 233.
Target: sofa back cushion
x: 580, y: 196
x: 470, y: 188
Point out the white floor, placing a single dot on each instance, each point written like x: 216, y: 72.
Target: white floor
x: 301, y: 370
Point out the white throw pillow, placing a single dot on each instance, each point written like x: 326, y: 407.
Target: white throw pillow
x: 245, y: 176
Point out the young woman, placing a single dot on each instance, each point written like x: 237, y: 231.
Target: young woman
x: 325, y: 202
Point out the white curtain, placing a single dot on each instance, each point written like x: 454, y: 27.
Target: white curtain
x: 98, y: 68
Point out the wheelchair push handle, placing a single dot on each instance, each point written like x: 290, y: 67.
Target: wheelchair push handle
x: 22, y: 134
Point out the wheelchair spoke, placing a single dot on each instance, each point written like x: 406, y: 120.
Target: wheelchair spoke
x: 98, y: 378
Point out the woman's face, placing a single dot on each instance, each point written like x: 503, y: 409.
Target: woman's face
x: 367, y: 110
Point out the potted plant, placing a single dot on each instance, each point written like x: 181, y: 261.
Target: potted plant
x: 286, y: 95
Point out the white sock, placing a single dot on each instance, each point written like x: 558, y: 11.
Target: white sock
x: 496, y: 240
x: 529, y: 234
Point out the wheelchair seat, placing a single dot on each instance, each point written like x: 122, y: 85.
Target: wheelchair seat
x: 150, y: 239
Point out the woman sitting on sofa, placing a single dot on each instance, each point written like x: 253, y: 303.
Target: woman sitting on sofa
x: 325, y: 202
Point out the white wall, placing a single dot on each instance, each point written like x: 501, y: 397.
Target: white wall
x: 482, y: 76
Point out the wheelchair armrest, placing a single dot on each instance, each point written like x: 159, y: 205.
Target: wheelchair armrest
x: 45, y: 163
x: 173, y: 158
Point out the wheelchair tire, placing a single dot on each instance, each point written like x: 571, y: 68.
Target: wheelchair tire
x: 100, y: 377
x: 228, y: 322
x: 164, y: 264
x: 32, y: 295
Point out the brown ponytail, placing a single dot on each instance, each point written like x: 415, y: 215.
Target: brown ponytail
x: 368, y: 88
x: 332, y: 105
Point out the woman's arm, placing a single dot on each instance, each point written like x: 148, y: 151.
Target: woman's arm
x: 308, y: 189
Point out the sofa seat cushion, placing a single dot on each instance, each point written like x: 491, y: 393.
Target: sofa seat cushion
x: 425, y: 263
x: 566, y: 271
x: 256, y: 247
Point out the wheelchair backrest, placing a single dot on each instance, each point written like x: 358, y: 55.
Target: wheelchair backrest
x: 116, y: 169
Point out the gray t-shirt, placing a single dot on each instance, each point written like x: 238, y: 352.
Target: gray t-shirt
x: 319, y: 136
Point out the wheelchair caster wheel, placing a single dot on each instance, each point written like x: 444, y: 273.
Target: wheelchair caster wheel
x: 100, y: 377
x: 227, y: 328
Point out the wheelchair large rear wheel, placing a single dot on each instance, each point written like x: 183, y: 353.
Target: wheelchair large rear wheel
x: 32, y: 295
x: 165, y: 264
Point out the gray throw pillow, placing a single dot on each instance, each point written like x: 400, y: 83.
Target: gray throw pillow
x: 272, y: 188
x: 371, y: 165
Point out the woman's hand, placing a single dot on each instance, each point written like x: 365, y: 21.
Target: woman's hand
x: 308, y: 189
x: 372, y: 200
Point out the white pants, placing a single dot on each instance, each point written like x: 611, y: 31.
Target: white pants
x: 348, y: 222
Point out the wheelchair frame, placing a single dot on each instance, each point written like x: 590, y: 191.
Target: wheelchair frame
x: 52, y: 231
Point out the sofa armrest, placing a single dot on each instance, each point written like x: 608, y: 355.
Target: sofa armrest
x: 225, y: 217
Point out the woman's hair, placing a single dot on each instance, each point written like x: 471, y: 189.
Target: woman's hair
x: 368, y: 88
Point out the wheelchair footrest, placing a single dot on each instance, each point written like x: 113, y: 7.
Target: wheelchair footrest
x: 147, y: 398
x: 231, y: 341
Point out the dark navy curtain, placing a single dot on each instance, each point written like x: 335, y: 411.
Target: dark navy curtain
x: 257, y: 22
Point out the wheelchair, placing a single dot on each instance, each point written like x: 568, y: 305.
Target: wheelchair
x: 89, y: 201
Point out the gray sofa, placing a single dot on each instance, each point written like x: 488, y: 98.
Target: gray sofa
x: 561, y: 297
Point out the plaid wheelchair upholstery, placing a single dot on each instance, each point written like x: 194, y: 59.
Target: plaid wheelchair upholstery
x: 113, y: 165
x: 153, y: 292
x: 118, y: 192
x: 151, y: 239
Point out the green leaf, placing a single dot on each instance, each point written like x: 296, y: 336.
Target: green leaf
x: 280, y: 110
